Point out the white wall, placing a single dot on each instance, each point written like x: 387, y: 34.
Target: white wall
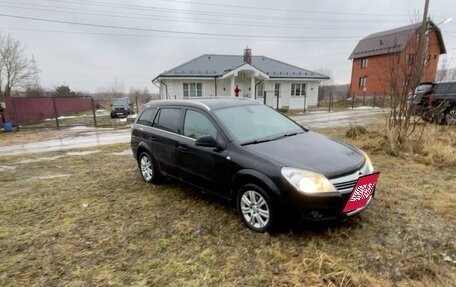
x: 175, y: 90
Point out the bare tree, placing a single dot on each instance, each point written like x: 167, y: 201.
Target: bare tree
x: 406, y: 71
x: 15, y: 68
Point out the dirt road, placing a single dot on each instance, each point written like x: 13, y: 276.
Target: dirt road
x: 89, y: 137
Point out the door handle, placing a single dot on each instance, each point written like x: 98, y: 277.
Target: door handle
x: 152, y: 138
x: 183, y: 147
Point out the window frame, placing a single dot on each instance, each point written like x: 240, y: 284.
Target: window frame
x: 362, y: 82
x: 364, y: 63
x: 154, y: 114
x: 179, y: 121
x: 302, y: 89
x: 192, y: 87
x: 184, y: 116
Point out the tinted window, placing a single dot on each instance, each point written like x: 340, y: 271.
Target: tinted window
x: 147, y: 117
x: 196, y: 125
x: 168, y: 119
x: 444, y: 88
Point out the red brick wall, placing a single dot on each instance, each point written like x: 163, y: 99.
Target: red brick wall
x: 33, y: 109
x: 379, y: 69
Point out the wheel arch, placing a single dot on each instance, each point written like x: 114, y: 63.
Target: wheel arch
x: 142, y: 147
x: 247, y: 176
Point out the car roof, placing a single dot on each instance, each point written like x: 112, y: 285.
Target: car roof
x: 208, y: 103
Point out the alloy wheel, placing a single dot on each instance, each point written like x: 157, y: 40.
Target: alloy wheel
x: 255, y: 209
x: 146, y: 168
x: 450, y: 118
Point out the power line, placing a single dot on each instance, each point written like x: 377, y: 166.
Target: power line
x: 176, y: 32
x: 215, y: 15
x: 172, y: 19
x: 273, y: 9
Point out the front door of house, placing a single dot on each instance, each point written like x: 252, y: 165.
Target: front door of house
x: 277, y: 96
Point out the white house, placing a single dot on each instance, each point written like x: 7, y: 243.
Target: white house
x: 254, y: 77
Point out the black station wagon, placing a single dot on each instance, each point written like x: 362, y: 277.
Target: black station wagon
x: 245, y: 151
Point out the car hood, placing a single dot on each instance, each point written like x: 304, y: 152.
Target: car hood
x: 312, y: 151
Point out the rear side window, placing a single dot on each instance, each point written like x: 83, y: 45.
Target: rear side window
x: 196, y: 125
x: 445, y: 88
x: 168, y: 119
x: 147, y: 117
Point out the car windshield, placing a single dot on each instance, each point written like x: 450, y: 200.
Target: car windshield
x: 252, y: 124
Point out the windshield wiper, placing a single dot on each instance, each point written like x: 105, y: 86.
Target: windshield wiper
x: 291, y: 134
x: 262, y: 140
x: 257, y: 141
x: 288, y: 135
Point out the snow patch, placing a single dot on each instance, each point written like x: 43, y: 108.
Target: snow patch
x: 6, y: 168
x: 33, y: 160
x: 41, y: 177
x: 366, y: 108
x: 75, y: 153
x: 125, y: 152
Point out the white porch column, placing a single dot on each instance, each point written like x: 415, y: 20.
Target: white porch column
x: 232, y: 86
x: 252, y: 86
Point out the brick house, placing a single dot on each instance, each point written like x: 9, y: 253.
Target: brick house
x: 375, y: 55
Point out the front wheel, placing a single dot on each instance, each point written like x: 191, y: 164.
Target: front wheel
x: 450, y: 117
x: 147, y: 168
x: 255, y: 207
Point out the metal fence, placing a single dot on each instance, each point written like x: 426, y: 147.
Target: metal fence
x: 50, y: 111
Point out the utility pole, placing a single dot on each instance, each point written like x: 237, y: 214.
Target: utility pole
x: 422, y: 42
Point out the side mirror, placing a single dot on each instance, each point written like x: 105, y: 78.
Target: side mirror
x: 208, y: 141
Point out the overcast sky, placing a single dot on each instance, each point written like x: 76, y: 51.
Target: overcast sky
x: 93, y: 44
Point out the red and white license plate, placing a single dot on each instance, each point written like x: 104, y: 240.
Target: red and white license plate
x: 362, y: 192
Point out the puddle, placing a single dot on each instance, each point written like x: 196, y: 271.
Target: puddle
x: 33, y: 160
x: 7, y: 168
x: 125, y: 152
x: 75, y: 153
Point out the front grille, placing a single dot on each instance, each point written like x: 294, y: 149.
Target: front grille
x: 346, y: 185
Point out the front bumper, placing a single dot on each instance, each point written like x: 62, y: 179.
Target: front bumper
x: 330, y: 206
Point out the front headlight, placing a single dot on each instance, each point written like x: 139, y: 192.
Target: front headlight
x: 370, y: 166
x: 307, y: 181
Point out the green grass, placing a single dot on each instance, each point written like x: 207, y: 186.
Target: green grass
x: 99, y: 224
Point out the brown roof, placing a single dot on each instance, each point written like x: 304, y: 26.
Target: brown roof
x: 391, y: 41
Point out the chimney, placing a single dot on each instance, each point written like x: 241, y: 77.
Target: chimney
x: 247, y: 55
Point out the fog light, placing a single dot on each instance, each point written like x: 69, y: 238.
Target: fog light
x: 316, y: 214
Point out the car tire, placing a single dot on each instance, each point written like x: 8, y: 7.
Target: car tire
x: 112, y: 116
x: 148, y: 169
x: 255, y: 208
x: 450, y: 117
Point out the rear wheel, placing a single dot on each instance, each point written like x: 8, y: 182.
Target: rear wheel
x: 450, y: 117
x: 255, y: 207
x: 148, y: 169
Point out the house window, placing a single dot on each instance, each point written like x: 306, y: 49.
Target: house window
x: 298, y: 89
x: 362, y: 82
x: 410, y: 59
x: 192, y: 90
x: 363, y: 63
